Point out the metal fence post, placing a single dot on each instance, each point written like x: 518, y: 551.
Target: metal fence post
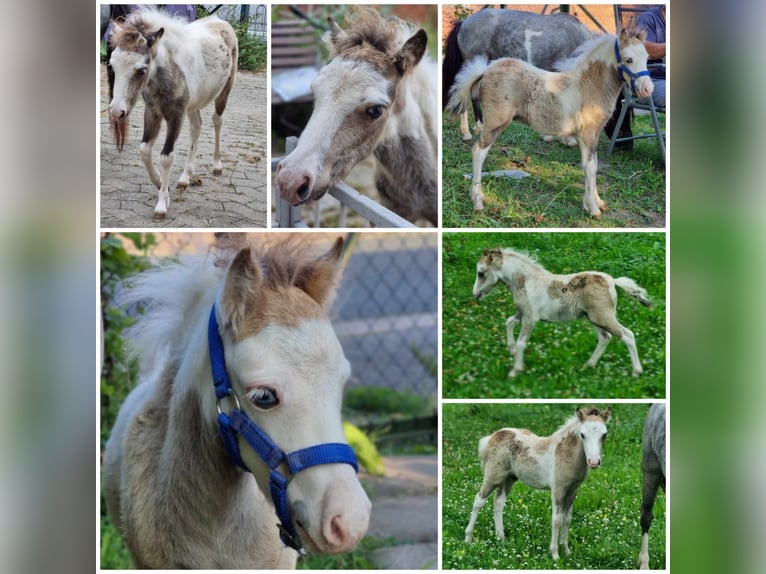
x: 289, y: 215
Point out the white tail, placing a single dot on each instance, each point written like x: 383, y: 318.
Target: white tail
x: 460, y: 93
x: 483, y: 451
x: 632, y: 289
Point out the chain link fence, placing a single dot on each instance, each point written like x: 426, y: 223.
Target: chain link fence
x: 386, y: 313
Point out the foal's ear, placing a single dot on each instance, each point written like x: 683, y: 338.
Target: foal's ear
x: 605, y: 415
x: 153, y: 37
x: 337, y: 35
x: 243, y: 281
x: 319, y: 279
x: 411, y: 53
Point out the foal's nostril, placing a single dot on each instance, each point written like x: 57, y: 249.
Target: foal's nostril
x: 304, y: 190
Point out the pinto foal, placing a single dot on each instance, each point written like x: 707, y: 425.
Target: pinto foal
x: 558, y: 463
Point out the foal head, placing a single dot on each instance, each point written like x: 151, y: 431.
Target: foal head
x: 355, y: 95
x: 592, y: 429
x: 288, y: 369
x: 135, y: 45
x: 488, y: 271
x: 632, y: 60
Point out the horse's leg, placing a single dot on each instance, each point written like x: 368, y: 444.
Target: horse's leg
x: 480, y: 151
x: 195, y: 126
x: 591, y: 202
x: 510, y: 324
x: 220, y: 106
x: 527, y: 324
x: 478, y: 503
x: 557, y: 512
x: 152, y: 124
x: 465, y: 130
x: 166, y: 163
x: 499, y: 503
x: 569, y: 499
x: 607, y: 321
x: 604, y: 337
x: 652, y: 481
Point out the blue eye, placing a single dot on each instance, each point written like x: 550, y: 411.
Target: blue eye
x: 263, y: 398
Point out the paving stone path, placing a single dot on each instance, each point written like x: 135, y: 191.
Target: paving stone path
x: 405, y: 511
x: 236, y: 199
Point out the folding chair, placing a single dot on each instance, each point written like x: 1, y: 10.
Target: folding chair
x: 624, y: 15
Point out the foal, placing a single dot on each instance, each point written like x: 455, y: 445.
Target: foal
x: 653, y: 473
x: 376, y: 96
x: 178, y: 68
x: 558, y: 463
x: 577, y: 101
x: 542, y: 296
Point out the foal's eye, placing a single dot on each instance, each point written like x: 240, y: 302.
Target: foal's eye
x: 263, y: 398
x: 141, y: 71
x: 582, y: 435
x: 480, y: 274
x: 374, y: 112
x: 628, y: 60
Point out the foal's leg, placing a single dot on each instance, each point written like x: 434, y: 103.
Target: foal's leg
x: 478, y: 503
x: 510, y: 324
x: 220, y: 106
x: 499, y: 503
x: 152, y: 124
x: 195, y: 126
x: 569, y: 499
x: 166, y: 163
x: 480, y: 151
x: 527, y: 324
x: 591, y: 202
x: 465, y: 130
x: 557, y: 519
x: 604, y: 337
x: 652, y: 482
x: 606, y: 320
x: 630, y: 342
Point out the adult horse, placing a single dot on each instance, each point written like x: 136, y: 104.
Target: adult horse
x: 178, y: 68
x: 652, y: 472
x: 241, y: 372
x: 558, y: 463
x: 376, y: 96
x: 540, y: 295
x: 577, y: 101
x: 540, y: 39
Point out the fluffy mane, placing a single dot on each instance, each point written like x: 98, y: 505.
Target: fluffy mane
x: 176, y: 297
x: 523, y: 255
x: 367, y: 26
x: 583, y: 51
x: 130, y: 34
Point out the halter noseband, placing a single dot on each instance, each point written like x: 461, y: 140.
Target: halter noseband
x: 623, y: 69
x: 238, y: 423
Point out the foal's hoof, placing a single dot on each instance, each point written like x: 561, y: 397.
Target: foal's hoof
x: 217, y: 172
x: 182, y: 185
x: 159, y: 216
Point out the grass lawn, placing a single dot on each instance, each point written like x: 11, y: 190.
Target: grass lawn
x: 475, y: 358
x: 632, y: 183
x: 605, y: 532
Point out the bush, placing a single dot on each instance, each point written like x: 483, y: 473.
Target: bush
x: 252, y: 50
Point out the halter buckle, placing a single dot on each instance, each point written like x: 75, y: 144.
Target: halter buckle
x: 229, y: 394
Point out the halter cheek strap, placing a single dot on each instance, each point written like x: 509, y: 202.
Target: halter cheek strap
x: 237, y: 423
x: 622, y: 69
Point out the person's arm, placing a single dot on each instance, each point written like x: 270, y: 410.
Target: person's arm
x: 655, y: 50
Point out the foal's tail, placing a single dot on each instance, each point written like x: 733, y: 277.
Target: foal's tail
x: 453, y: 60
x: 483, y: 451
x: 632, y: 289
x: 465, y: 88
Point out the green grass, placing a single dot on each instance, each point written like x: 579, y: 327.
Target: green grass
x: 632, y: 183
x: 475, y: 357
x: 605, y: 532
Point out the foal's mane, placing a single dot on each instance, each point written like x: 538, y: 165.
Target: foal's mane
x: 131, y: 33
x: 524, y: 256
x: 584, y: 51
x: 367, y: 26
x: 170, y: 293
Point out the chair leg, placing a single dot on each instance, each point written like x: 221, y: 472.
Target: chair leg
x: 657, y: 129
x: 618, y: 125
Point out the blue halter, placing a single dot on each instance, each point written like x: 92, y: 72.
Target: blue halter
x: 238, y: 423
x: 623, y: 69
